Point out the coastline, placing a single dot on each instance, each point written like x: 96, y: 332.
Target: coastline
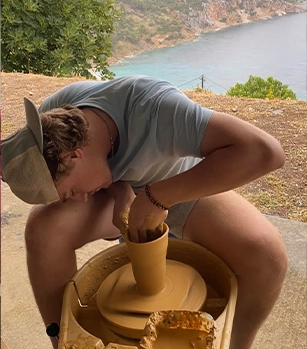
x: 218, y: 26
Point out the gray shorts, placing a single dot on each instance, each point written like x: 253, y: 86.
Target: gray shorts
x: 178, y: 215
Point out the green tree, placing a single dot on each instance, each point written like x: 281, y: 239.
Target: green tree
x: 59, y: 38
x: 256, y: 87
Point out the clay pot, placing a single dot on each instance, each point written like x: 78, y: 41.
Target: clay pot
x: 149, y: 276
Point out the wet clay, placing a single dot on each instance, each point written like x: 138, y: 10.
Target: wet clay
x: 178, y: 329
x: 148, y: 261
x: 179, y: 339
x: 122, y: 305
x: 119, y: 346
x: 149, y: 283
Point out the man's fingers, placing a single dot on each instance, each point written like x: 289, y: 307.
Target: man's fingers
x: 143, y: 236
x: 154, y: 234
x: 133, y: 235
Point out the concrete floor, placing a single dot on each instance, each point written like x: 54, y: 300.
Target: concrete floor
x: 21, y: 325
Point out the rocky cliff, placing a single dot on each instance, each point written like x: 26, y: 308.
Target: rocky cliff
x: 151, y: 24
x: 217, y: 14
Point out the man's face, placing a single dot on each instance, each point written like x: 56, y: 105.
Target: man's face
x: 87, y: 177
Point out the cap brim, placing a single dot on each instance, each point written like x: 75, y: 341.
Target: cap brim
x: 34, y: 122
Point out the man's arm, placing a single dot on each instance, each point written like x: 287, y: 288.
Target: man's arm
x: 123, y: 196
x: 235, y: 153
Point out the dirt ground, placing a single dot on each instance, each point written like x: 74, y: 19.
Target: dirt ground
x: 282, y: 193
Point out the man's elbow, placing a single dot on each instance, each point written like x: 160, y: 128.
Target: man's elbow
x: 273, y: 155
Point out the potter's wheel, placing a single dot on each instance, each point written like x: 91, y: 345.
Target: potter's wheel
x: 83, y: 326
x: 127, y: 310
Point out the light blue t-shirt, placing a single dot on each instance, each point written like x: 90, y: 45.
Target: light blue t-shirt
x: 160, y: 129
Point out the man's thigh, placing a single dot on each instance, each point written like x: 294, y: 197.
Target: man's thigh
x: 233, y: 229
x: 73, y: 223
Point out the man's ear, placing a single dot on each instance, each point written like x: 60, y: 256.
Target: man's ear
x: 78, y: 153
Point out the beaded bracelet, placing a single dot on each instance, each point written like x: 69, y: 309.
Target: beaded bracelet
x: 153, y: 199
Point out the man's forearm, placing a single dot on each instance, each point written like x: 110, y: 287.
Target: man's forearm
x: 222, y: 170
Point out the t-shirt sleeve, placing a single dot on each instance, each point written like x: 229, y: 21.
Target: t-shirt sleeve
x: 181, y: 124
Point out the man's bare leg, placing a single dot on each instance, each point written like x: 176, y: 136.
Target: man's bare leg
x: 53, y: 233
x: 237, y: 232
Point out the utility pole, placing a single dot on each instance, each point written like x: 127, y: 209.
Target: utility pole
x: 202, y: 78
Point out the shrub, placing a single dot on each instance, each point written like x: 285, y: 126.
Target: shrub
x: 61, y: 38
x: 256, y: 87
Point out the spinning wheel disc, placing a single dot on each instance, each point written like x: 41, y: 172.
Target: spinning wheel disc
x: 127, y: 310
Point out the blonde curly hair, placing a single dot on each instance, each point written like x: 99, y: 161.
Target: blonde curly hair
x: 65, y: 129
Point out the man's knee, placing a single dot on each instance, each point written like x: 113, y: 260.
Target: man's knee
x: 268, y: 258
x: 47, y: 229
x: 34, y: 231
x: 279, y: 263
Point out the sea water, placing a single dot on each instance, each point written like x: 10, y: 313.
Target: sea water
x: 274, y: 47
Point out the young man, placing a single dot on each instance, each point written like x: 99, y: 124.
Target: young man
x: 98, y: 147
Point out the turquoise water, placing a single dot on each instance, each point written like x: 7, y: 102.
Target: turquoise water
x: 275, y: 47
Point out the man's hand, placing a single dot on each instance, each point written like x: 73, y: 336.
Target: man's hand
x: 123, y: 196
x: 145, y: 219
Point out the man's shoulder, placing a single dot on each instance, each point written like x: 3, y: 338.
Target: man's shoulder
x: 85, y: 92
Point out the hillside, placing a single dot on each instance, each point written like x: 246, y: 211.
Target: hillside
x: 283, y: 192
x: 151, y: 24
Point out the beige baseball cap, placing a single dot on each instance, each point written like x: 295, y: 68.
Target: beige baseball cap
x: 24, y: 168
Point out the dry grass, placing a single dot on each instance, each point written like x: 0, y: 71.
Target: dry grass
x: 283, y: 192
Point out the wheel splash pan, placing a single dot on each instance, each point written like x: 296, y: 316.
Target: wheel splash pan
x: 83, y: 327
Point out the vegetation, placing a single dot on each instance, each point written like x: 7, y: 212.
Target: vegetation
x: 256, y: 87
x: 59, y: 38
x: 67, y: 37
x: 148, y: 24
